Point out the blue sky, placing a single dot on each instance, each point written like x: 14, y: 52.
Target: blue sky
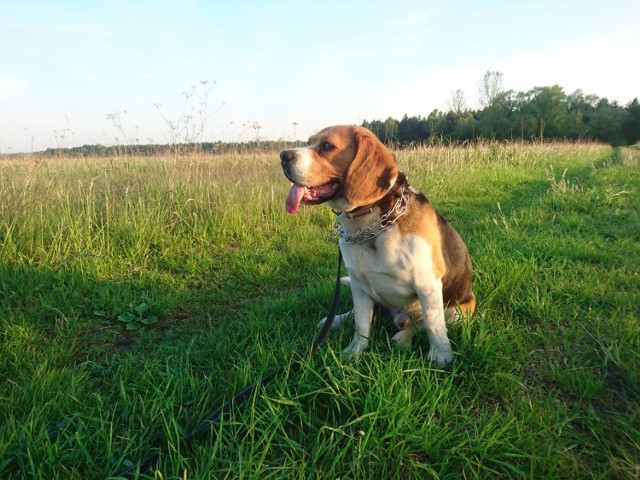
x: 66, y: 65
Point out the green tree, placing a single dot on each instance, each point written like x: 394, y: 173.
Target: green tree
x: 607, y: 122
x: 497, y: 120
x: 549, y: 106
x: 580, y: 110
x: 377, y: 127
x: 435, y: 123
x: 631, y: 125
x: 412, y: 129
x: 390, y: 130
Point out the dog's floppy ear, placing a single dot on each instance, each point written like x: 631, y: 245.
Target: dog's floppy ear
x: 371, y: 173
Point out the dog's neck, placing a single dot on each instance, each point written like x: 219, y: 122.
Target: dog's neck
x: 383, y: 213
x: 384, y: 204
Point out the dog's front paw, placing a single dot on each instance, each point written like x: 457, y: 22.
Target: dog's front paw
x: 403, y: 338
x: 440, y: 357
x: 355, y: 349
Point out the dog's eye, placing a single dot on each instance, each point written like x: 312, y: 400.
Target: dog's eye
x: 326, y: 147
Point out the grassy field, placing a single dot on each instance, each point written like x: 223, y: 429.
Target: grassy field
x: 136, y: 295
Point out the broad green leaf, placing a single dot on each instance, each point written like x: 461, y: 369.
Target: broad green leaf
x: 143, y: 307
x: 150, y: 320
x: 126, y: 317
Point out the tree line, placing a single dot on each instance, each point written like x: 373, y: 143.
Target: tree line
x: 210, y: 148
x: 542, y: 113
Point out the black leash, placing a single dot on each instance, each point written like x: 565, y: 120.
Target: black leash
x: 241, y: 397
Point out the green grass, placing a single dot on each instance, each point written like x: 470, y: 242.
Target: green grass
x: 546, y: 378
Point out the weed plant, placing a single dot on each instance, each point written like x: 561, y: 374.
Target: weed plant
x: 221, y: 285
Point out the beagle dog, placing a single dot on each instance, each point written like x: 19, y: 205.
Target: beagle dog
x: 399, y: 251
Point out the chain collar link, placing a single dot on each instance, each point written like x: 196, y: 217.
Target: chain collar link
x: 376, y: 228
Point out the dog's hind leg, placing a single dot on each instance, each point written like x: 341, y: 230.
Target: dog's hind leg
x: 346, y: 281
x: 336, y: 321
x: 463, y: 310
x: 401, y: 318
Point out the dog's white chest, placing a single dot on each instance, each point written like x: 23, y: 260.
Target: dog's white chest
x: 388, y: 272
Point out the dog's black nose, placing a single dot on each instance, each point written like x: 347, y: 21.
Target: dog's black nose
x: 286, y: 156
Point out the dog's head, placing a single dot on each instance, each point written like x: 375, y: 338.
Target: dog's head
x: 346, y: 166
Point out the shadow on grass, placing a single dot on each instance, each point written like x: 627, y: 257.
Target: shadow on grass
x: 78, y: 382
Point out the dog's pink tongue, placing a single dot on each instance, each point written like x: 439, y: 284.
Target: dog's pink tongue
x: 293, y: 198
